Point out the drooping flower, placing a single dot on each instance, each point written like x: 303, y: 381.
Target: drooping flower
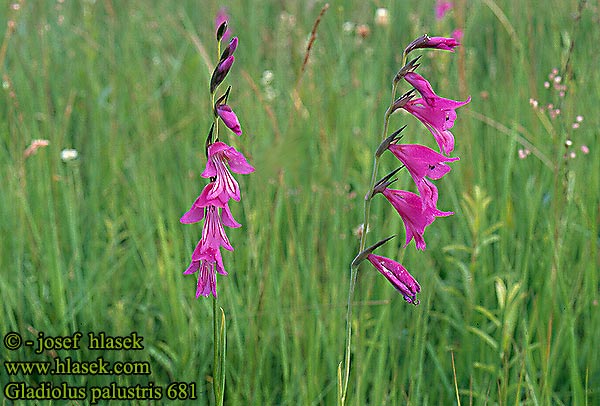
x: 213, y: 233
x: 432, y: 99
x: 435, y: 120
x: 219, y: 154
x: 196, y: 212
x: 422, y: 162
x: 414, y: 213
x: 441, y: 8
x: 229, y: 118
x: 206, y: 262
x: 437, y: 113
x: 398, y: 277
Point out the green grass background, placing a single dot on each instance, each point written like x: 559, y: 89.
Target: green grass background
x: 510, y: 283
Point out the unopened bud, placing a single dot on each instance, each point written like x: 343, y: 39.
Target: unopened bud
x: 221, y: 30
x: 424, y: 41
x: 416, y: 43
x: 220, y: 72
x: 230, y: 49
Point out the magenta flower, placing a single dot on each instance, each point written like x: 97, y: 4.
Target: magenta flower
x: 435, y: 120
x: 229, y: 118
x: 222, y: 16
x: 441, y: 8
x: 398, y: 277
x: 219, y: 154
x: 414, y: 213
x: 432, y: 99
x: 422, y: 162
x: 436, y: 113
x: 424, y: 41
x: 206, y: 262
x: 213, y: 233
x: 446, y: 44
x: 196, y: 212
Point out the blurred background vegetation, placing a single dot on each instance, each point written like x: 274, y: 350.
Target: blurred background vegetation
x: 509, y: 305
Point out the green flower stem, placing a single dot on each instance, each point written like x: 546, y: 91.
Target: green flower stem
x: 216, y: 363
x: 343, y: 387
x: 218, y: 335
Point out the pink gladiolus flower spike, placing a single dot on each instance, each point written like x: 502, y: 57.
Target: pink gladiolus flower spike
x: 398, y: 276
x: 220, y: 153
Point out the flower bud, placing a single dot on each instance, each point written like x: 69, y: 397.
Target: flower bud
x: 424, y: 41
x: 220, y: 72
x: 221, y: 30
x: 230, y: 49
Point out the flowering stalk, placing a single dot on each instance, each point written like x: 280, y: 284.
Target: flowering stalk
x: 212, y: 205
x: 417, y: 211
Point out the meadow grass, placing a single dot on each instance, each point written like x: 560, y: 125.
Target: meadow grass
x: 510, y: 285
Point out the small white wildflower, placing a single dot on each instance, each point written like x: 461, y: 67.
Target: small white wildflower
x: 382, y: 17
x: 69, y: 155
x: 348, y: 27
x: 267, y: 77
